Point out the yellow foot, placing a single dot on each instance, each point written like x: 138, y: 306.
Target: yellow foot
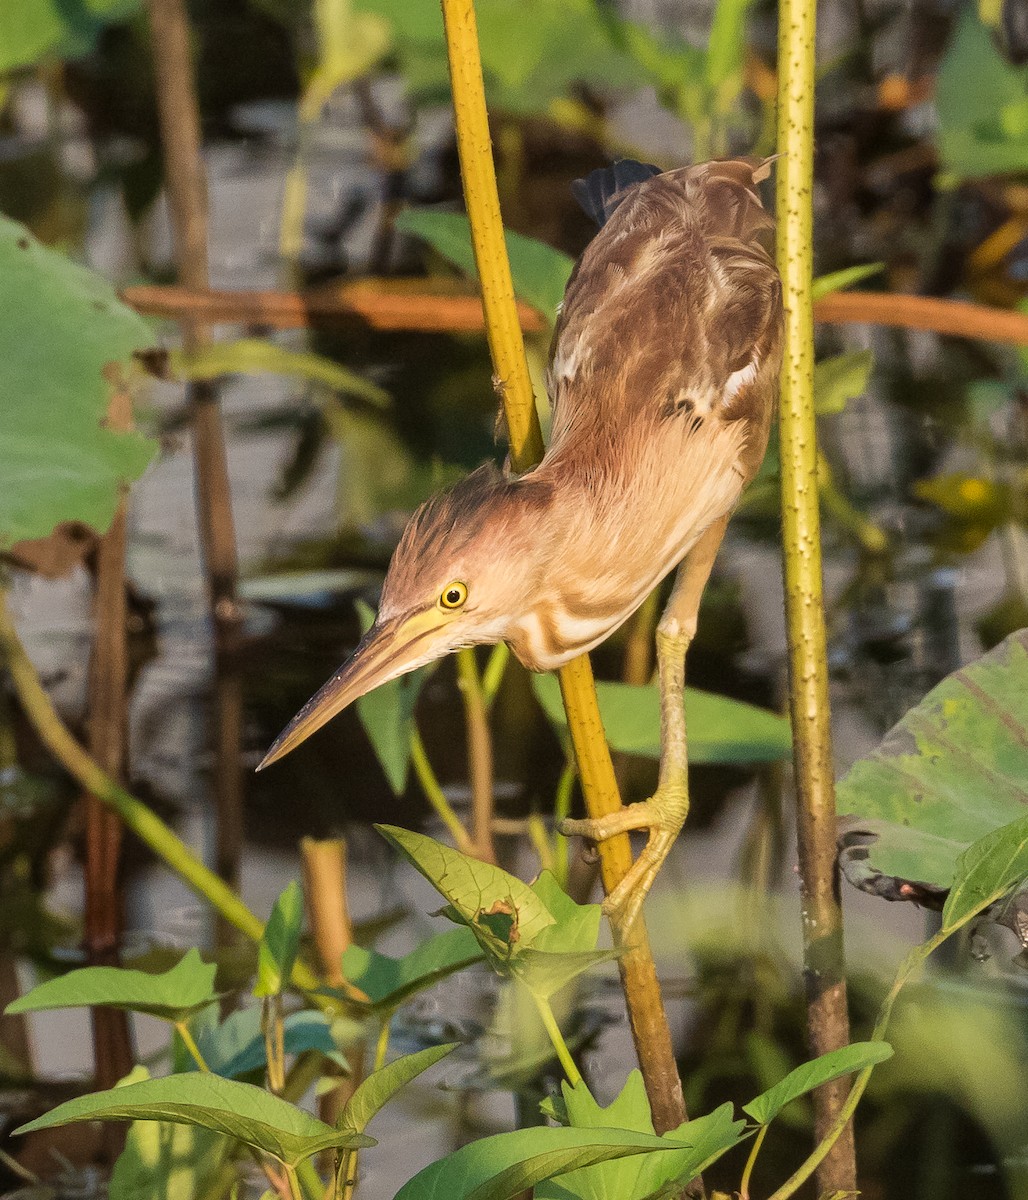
x: 663, y: 815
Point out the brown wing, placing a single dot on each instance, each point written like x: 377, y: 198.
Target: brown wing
x: 673, y: 311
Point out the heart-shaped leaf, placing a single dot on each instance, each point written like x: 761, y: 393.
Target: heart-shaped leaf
x: 239, y: 1110
x: 172, y: 995
x: 952, y: 771
x: 58, y: 461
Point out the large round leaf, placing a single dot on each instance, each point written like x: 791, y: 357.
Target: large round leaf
x: 63, y: 334
x: 954, y: 769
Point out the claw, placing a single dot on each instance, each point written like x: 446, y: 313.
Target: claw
x: 663, y: 815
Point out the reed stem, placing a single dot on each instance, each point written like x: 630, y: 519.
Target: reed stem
x: 827, y: 1018
x: 503, y: 330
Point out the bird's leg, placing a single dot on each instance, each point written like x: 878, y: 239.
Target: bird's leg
x: 665, y: 812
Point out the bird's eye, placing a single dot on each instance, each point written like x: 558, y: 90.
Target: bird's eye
x: 453, y: 595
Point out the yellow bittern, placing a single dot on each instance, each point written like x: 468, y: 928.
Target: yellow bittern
x: 664, y: 381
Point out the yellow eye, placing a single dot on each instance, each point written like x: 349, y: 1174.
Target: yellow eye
x: 453, y: 595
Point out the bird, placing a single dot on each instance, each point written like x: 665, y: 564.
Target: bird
x: 663, y: 382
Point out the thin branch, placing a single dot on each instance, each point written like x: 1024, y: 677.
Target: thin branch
x: 827, y: 1017
x: 186, y: 183
x: 427, y: 306
x: 108, y: 687
x: 480, y: 754
x: 639, y: 976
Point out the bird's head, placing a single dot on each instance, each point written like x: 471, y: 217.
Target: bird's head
x: 468, y: 565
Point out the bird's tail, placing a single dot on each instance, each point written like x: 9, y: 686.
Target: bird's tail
x: 603, y: 190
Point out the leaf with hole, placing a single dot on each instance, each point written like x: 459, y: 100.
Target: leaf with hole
x: 172, y: 995
x: 504, y: 914
x: 810, y: 1075
x: 280, y: 942
x: 58, y: 460
x: 720, y: 730
x: 239, y: 1110
x: 953, y: 770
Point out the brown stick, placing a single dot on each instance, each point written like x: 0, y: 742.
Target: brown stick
x: 108, y: 685
x: 328, y: 913
x: 187, y: 193
x: 425, y: 306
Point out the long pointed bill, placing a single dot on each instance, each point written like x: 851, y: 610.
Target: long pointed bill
x: 387, y: 650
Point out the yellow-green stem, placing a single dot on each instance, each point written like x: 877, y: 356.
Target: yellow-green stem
x: 480, y: 753
x: 557, y: 1040
x: 744, y: 1183
x: 182, y: 1029
x: 827, y: 1020
x: 382, y: 1044
x: 436, y: 797
x: 912, y: 963
x: 642, y: 990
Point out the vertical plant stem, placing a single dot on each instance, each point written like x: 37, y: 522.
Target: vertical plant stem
x: 638, y: 972
x: 827, y: 1019
x: 328, y: 912
x: 480, y: 754
x: 108, y: 686
x: 187, y: 193
x: 744, y: 1183
x: 557, y: 1040
x: 436, y: 796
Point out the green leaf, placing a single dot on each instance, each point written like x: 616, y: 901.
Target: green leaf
x: 693, y: 1145
x: 167, y: 1162
x: 381, y: 1085
x: 387, y: 714
x: 58, y: 462
x: 839, y: 281
x: 545, y: 973
x: 280, y: 942
x: 31, y: 30
x: 241, y: 1111
x: 501, y: 1166
x: 388, y: 982
x: 980, y: 121
x: 172, y: 995
x: 251, y: 356
x: 841, y: 378
x: 811, y: 1075
x: 237, y: 1046
x: 504, y: 914
x: 987, y: 871
x: 720, y: 729
x: 952, y: 771
x: 576, y: 926
x: 540, y: 273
